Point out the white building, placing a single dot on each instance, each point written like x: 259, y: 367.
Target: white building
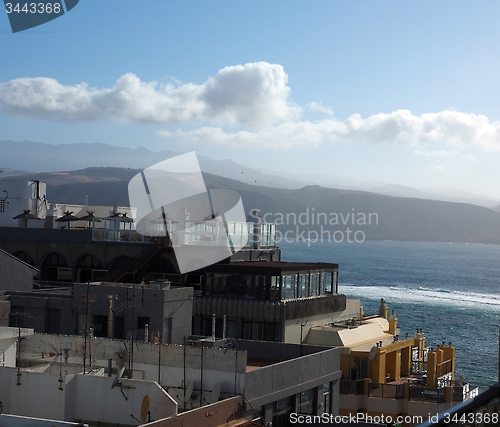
x: 20, y: 196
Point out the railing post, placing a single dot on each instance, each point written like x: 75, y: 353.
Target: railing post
x: 406, y: 391
x: 448, y: 394
x: 366, y: 387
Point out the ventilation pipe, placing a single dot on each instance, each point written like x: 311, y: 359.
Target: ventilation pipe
x: 111, y: 315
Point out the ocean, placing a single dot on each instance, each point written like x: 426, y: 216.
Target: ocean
x: 451, y: 291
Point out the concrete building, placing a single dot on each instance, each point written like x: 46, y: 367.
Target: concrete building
x: 18, y: 197
x: 384, y: 374
x: 274, y: 378
x: 16, y: 275
x: 113, y: 310
x: 271, y: 301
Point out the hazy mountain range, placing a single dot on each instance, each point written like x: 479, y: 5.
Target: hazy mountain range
x: 307, y: 212
x: 27, y: 156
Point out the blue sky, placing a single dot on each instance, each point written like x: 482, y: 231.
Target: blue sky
x: 399, y: 92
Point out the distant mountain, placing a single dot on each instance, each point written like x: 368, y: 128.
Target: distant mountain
x: 435, y: 193
x: 310, y: 211
x: 40, y: 157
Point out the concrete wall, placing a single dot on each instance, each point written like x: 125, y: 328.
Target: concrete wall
x: 18, y: 421
x: 15, y: 275
x: 20, y: 195
x: 71, y: 244
x: 292, y: 329
x: 278, y: 351
x: 80, y: 397
x: 96, y: 401
x: 8, y: 352
x: 35, y: 307
x: 178, y: 304
x: 8, y: 344
x: 216, y: 414
x: 155, y: 305
x: 280, y: 380
x: 4, y: 310
x: 228, y: 369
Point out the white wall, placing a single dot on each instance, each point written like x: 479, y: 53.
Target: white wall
x: 83, y: 397
x: 8, y: 337
x: 18, y: 421
x: 292, y: 326
x: 95, y: 400
x: 218, y: 367
x: 19, y: 195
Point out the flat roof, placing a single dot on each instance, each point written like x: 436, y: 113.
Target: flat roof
x: 268, y: 266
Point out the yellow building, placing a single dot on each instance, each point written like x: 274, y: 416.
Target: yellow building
x: 384, y: 375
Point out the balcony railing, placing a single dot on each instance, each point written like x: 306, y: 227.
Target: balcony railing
x: 461, y: 392
x: 481, y: 410
x: 424, y: 394
x: 386, y: 391
x: 352, y: 387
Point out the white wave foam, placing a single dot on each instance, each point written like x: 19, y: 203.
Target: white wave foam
x: 423, y: 295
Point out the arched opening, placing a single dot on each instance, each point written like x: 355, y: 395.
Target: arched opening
x: 89, y: 269
x: 25, y: 257
x: 55, y: 268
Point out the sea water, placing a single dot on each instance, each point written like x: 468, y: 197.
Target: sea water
x: 451, y: 291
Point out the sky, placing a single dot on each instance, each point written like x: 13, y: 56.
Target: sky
x: 403, y: 93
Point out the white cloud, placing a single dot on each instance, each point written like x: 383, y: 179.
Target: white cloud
x: 439, y: 153
x: 253, y: 94
x: 443, y: 154
x: 399, y: 127
x: 318, y: 106
x: 248, y: 97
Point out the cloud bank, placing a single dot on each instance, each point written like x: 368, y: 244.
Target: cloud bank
x: 399, y: 127
x: 253, y: 94
x: 253, y: 99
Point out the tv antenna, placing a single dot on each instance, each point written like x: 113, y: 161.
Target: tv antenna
x: 57, y: 358
x: 145, y: 412
x: 117, y: 382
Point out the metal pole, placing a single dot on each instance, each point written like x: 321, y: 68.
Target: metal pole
x: 133, y: 331
x: 85, y: 329
x: 159, y: 358
x: 18, y: 354
x: 201, y: 379
x: 184, y: 382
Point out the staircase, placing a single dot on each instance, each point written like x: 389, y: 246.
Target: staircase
x: 132, y: 265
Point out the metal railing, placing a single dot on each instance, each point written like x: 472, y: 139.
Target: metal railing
x: 482, y: 410
x: 386, y: 391
x: 428, y: 395
x: 351, y: 387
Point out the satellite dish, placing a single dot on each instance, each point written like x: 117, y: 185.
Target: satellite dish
x: 373, y: 353
x: 117, y: 379
x: 145, y: 408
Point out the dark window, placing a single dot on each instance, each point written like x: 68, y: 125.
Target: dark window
x: 100, y: 325
x: 327, y: 398
x: 119, y: 327
x: 168, y: 330
x: 282, y: 410
x: 306, y: 402
x: 54, y: 321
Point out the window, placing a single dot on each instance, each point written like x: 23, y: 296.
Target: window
x: 2, y: 205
